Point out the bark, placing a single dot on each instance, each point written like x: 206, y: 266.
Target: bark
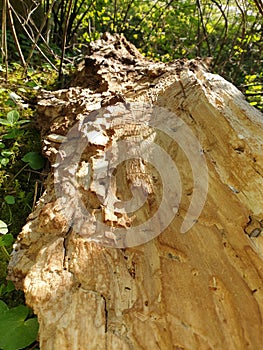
x: 94, y: 288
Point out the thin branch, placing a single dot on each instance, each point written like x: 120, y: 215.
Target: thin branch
x: 223, y: 63
x: 39, y: 32
x: 259, y: 5
x: 146, y: 15
x: 79, y: 22
x: 46, y: 6
x: 244, y: 28
x: 14, y: 34
x: 199, y: 39
x: 223, y: 37
x: 30, y: 10
x: 44, y: 40
x: 72, y: 16
x: 4, y: 40
x: 203, y: 27
x: 243, y: 20
x: 114, y: 14
x: 58, y: 20
x: 156, y: 23
x: 126, y: 14
x: 32, y: 39
x: 65, y: 38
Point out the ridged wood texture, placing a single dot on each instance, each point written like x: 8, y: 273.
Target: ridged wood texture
x: 195, y: 291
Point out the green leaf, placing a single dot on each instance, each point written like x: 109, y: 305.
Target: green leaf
x: 31, y: 84
x: 9, y: 287
x: 23, y: 121
x: 4, y: 122
x: 6, y: 240
x: 6, y: 287
x: 3, y: 307
x: 16, y: 332
x: 21, y: 89
x: 10, y: 199
x: 13, y: 134
x: 2, y: 145
x: 4, y: 161
x: 12, y: 117
x: 6, y: 153
x: 34, y: 159
x: 3, y: 227
x: 10, y: 103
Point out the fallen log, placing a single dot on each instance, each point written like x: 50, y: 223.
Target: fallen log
x: 149, y: 233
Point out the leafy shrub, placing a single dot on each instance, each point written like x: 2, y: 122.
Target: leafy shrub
x: 20, y: 171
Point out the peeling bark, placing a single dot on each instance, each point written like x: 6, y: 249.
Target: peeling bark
x: 199, y: 290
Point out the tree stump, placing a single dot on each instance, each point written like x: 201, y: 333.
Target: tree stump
x: 148, y: 235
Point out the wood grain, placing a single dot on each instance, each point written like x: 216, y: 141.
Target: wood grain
x: 199, y: 290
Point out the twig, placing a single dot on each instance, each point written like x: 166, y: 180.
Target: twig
x: 64, y: 39
x: 14, y: 34
x: 39, y: 32
x: 114, y: 14
x: 124, y: 19
x: 4, y: 40
x: 16, y: 175
x: 30, y: 37
x: 203, y: 27
x: 35, y: 195
x: 223, y: 37
x: 259, y: 5
x: 156, y: 23
x: 80, y: 21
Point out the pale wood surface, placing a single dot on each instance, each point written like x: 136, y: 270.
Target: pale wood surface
x: 199, y: 290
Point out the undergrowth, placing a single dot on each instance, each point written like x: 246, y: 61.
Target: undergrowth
x: 22, y: 173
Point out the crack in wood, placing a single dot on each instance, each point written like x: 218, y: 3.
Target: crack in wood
x: 66, y: 258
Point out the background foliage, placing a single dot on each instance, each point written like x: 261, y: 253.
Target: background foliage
x: 41, y: 40
x: 229, y: 31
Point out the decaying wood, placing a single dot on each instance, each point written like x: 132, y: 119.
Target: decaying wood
x: 199, y: 290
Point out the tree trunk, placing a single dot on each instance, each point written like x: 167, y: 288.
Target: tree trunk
x: 148, y: 235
